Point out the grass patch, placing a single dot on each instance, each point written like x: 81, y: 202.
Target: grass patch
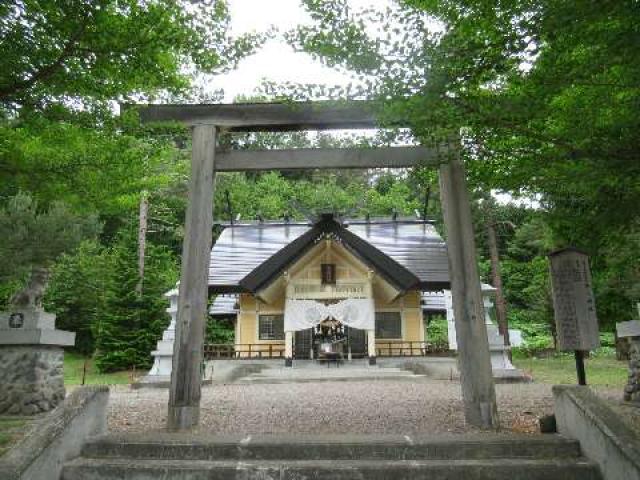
x: 74, y: 365
x: 11, y: 429
x: 561, y: 369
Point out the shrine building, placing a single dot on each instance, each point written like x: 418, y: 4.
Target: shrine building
x: 330, y: 287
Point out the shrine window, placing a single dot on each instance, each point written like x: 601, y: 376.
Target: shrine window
x: 328, y: 271
x: 271, y: 327
x: 388, y: 325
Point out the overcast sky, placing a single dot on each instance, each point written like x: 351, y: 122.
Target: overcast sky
x: 276, y: 60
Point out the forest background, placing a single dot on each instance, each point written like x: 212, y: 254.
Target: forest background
x: 545, y: 95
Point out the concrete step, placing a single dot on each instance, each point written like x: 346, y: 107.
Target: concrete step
x: 331, y: 447
x: 338, y: 372
x: 279, y: 380
x: 496, y: 469
x: 322, y: 370
x: 331, y: 374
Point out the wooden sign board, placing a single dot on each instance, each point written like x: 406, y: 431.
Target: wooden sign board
x: 573, y: 302
x: 628, y: 329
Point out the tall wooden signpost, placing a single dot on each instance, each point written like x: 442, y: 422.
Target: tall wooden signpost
x: 574, y: 305
x: 206, y: 120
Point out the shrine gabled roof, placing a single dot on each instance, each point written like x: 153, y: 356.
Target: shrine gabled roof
x: 409, y: 254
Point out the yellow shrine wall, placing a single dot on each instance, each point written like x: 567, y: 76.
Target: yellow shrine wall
x: 408, y: 305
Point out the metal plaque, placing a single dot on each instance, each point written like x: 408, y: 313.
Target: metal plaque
x: 573, y: 302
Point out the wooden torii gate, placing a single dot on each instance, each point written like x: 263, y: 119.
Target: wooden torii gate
x: 478, y: 389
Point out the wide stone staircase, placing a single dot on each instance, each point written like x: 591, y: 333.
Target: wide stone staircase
x: 455, y: 457
x: 313, y: 372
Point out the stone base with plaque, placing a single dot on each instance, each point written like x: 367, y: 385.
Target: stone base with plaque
x: 631, y: 332
x: 31, y: 361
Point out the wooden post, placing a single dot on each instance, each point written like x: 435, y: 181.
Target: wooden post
x: 186, y: 375
x: 476, y: 376
x: 582, y: 375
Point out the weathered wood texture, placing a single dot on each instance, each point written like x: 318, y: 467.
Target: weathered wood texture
x: 324, y: 158
x: 186, y: 375
x: 142, y: 238
x: 476, y: 377
x: 266, y: 116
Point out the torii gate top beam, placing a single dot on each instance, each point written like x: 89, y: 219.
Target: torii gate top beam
x: 323, y: 115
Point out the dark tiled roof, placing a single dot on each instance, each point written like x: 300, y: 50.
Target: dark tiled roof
x: 414, y: 247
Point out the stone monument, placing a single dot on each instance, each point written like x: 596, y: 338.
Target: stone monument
x: 631, y: 331
x: 160, y: 373
x: 503, y: 369
x: 31, y: 354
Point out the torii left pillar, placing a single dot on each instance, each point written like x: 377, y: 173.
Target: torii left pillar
x: 186, y: 373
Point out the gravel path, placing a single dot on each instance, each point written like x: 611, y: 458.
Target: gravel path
x: 331, y: 407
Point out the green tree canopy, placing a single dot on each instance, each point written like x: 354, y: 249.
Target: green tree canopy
x: 106, y: 50
x: 544, y: 93
x: 33, y: 238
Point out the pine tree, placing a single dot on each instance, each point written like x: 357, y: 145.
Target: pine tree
x: 130, y: 325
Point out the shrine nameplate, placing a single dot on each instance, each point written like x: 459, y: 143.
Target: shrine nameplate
x: 573, y: 303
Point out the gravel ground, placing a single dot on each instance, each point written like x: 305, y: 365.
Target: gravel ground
x: 331, y: 407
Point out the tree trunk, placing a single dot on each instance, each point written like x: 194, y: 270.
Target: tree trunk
x: 142, y: 239
x: 501, y: 303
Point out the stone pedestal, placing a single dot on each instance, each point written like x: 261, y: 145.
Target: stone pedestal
x: 503, y: 369
x: 630, y: 331
x: 31, y: 362
x: 160, y: 374
x: 632, y: 389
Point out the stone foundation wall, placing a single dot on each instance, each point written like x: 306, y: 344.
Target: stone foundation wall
x: 31, y: 379
x: 58, y: 436
x: 632, y: 389
x: 603, y: 435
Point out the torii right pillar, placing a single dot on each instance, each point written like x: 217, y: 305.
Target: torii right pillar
x: 474, y: 362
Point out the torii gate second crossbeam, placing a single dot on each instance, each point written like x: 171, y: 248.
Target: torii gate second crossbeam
x: 478, y: 389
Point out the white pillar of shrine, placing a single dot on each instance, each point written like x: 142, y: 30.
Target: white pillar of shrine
x: 288, y: 349
x: 371, y: 346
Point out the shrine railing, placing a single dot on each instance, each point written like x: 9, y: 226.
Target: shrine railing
x: 247, y: 351
x: 215, y: 351
x: 401, y: 348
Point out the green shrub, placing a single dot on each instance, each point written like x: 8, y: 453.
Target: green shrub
x: 536, y: 336
x: 437, y: 331
x: 220, y: 331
